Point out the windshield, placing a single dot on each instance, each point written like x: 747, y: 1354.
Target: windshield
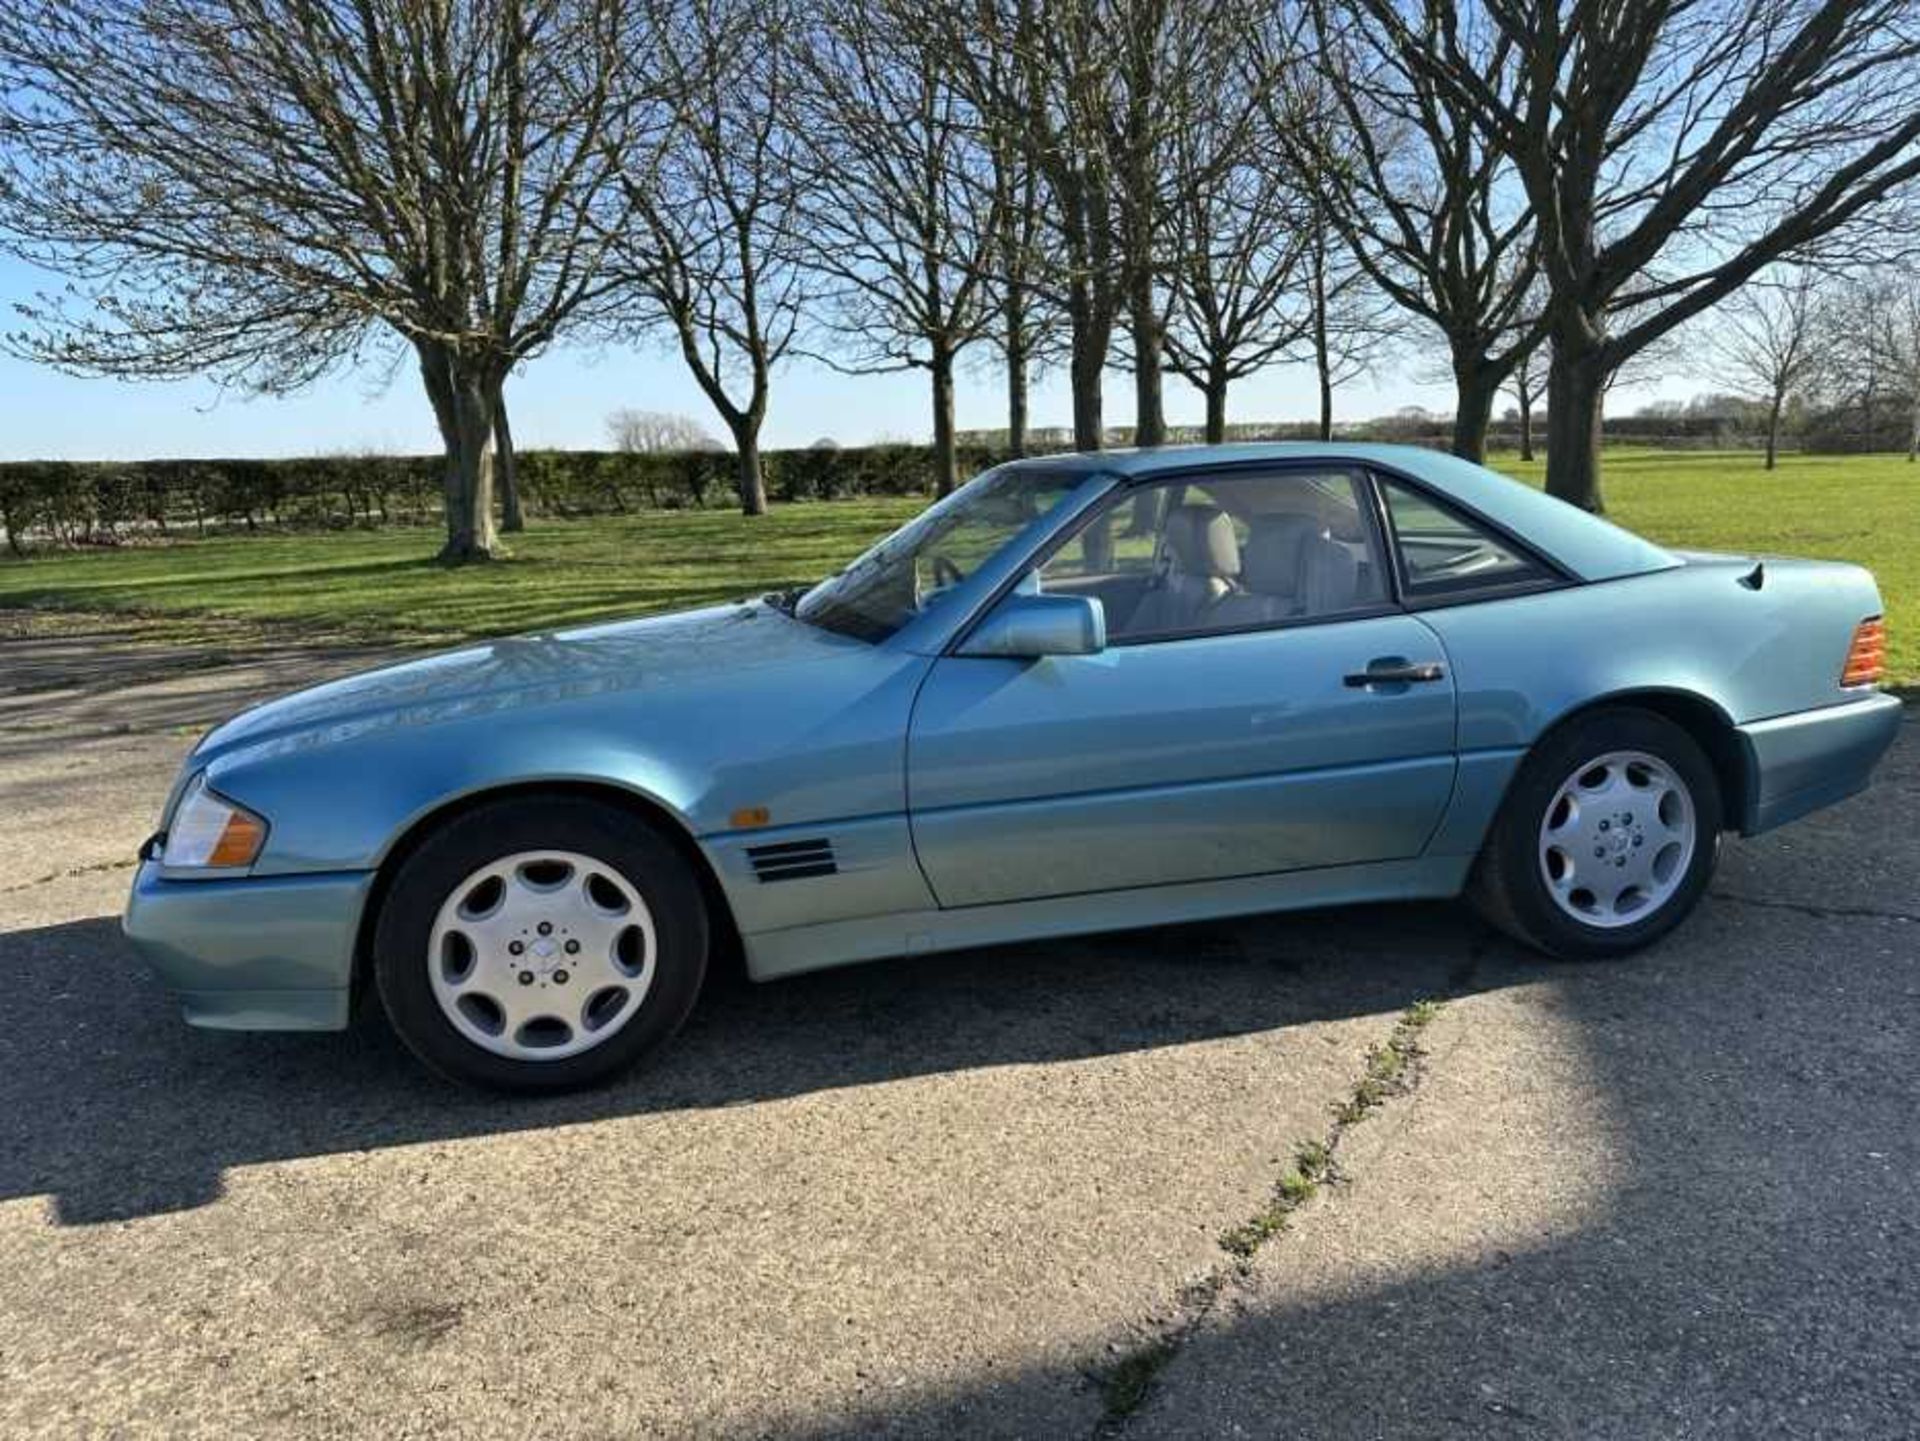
x: 911, y: 572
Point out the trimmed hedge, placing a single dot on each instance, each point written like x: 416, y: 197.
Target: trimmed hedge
x: 1850, y: 430
x: 104, y: 502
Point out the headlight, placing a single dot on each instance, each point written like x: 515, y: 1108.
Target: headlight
x: 211, y: 832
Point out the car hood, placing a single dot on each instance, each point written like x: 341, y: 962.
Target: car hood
x: 518, y: 673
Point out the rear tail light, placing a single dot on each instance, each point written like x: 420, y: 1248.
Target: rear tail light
x: 1867, y: 656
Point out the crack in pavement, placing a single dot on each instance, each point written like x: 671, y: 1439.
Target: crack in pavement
x: 1393, y: 1070
x: 97, y: 868
x: 1807, y: 908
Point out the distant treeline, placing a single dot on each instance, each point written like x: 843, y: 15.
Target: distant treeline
x: 100, y: 502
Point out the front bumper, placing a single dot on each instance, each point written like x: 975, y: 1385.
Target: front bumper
x: 1798, y: 763
x: 262, y: 953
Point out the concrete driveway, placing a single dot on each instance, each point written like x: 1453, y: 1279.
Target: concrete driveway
x: 980, y: 1194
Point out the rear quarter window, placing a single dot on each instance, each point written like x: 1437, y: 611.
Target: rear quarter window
x: 1443, y: 552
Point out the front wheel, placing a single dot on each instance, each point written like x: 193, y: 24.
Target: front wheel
x: 540, y: 945
x: 1607, y: 839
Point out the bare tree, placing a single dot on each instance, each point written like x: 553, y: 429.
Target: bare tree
x: 1041, y: 74
x: 1089, y: 94
x: 1175, y: 124
x: 1026, y: 327
x: 656, y: 432
x: 1426, y: 206
x: 1527, y: 381
x: 1349, y: 325
x: 1886, y: 343
x: 1906, y: 337
x: 1026, y: 269
x: 905, y: 223
x: 1156, y: 55
x: 1763, y: 346
x: 1237, y: 287
x: 262, y: 190
x: 717, y: 251
x: 1869, y: 334
x: 1671, y: 152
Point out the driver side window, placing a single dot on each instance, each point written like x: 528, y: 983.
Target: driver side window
x: 1212, y: 554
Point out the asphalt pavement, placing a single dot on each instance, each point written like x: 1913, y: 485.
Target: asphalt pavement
x: 960, y: 1195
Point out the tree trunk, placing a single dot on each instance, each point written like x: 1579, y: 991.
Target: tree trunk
x: 507, y: 467
x: 1015, y: 311
x: 465, y: 417
x: 1149, y: 403
x: 469, y: 482
x: 1525, y: 392
x: 946, y: 465
x: 1773, y: 430
x: 1575, y: 387
x: 1087, y: 362
x: 1913, y: 433
x: 1474, y: 392
x: 1216, y: 389
x: 1322, y: 355
x: 1325, y: 369
x: 751, y: 484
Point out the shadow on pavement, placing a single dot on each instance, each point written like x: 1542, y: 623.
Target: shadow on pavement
x: 1747, y: 1260
x: 115, y: 1109
x: 1750, y: 1264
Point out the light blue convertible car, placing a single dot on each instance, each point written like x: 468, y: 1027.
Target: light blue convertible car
x: 1080, y: 694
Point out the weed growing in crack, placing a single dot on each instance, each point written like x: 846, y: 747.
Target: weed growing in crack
x: 1389, y: 1070
x: 1312, y: 1165
x: 1384, y: 1075
x: 1387, y: 1065
x: 1127, y: 1384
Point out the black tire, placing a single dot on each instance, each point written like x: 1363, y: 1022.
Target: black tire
x: 620, y: 841
x: 1508, y: 885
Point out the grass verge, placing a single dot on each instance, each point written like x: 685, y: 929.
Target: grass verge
x: 382, y: 584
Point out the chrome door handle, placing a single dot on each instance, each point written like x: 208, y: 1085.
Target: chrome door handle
x: 1396, y: 672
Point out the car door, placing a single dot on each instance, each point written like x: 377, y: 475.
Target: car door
x: 1261, y: 705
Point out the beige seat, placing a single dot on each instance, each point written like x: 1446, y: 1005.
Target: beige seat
x: 1202, y: 559
x: 1292, y: 566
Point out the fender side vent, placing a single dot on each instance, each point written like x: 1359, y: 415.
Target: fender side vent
x: 793, y: 860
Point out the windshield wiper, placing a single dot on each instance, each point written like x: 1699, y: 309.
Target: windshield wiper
x: 786, y: 601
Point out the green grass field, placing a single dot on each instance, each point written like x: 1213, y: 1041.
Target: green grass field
x: 382, y: 585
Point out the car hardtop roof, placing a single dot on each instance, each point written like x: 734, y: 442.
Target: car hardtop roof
x: 1585, y: 545
x: 1161, y: 460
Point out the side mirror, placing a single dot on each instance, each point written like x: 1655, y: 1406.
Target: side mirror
x: 1026, y: 626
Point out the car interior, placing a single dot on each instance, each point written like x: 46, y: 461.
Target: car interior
x: 1224, y: 554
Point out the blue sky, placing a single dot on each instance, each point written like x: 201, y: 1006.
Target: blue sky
x: 562, y: 400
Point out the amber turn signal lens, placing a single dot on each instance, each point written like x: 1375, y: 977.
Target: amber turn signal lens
x: 1867, y: 656
x: 240, y: 841
x: 208, y: 831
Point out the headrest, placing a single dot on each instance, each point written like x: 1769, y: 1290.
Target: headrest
x: 1201, y: 542
x: 1275, y: 560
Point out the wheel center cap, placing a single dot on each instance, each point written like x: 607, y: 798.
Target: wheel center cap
x: 543, y: 948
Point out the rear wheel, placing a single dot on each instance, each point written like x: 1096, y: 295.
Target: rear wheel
x: 1607, y: 839
x: 540, y: 945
